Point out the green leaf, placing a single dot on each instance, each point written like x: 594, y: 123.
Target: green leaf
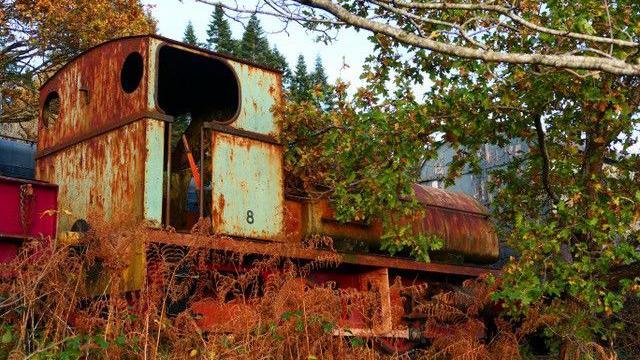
x: 7, y: 337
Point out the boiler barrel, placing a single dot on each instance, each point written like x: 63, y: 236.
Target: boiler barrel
x: 458, y: 219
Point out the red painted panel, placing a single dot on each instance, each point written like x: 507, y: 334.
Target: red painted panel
x: 32, y: 217
x: 8, y: 251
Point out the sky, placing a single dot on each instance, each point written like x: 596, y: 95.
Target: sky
x: 350, y: 48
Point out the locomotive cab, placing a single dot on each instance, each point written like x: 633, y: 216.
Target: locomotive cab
x: 127, y: 127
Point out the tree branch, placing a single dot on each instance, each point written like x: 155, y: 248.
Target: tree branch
x: 613, y: 66
x: 537, y: 118
x: 518, y: 19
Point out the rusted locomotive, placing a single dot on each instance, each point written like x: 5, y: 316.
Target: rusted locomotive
x: 109, y: 139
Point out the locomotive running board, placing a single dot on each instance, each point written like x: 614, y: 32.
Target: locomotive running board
x: 294, y: 250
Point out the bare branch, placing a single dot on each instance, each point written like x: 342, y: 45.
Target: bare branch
x: 282, y: 13
x: 460, y: 29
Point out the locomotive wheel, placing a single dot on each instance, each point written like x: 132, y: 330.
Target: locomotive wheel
x: 395, y: 346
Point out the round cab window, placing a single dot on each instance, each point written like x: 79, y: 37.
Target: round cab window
x: 51, y: 109
x: 131, y: 73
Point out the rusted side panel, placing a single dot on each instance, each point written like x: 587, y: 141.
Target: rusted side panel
x: 91, y: 94
x: 247, y: 187
x: 101, y: 178
x: 460, y: 220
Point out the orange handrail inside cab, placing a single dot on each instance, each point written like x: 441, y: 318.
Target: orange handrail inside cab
x: 192, y: 163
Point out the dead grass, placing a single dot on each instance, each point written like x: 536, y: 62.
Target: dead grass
x: 73, y: 301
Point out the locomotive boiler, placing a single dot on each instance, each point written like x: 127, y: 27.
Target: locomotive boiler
x: 147, y: 130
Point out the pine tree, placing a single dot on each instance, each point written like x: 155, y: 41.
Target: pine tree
x: 300, y: 83
x: 318, y: 77
x: 219, y: 33
x: 279, y: 62
x: 254, y: 45
x: 319, y: 82
x: 190, y: 35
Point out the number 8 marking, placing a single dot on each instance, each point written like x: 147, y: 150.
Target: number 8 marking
x: 250, y: 217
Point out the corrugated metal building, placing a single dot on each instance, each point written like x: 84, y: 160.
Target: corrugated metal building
x: 434, y: 172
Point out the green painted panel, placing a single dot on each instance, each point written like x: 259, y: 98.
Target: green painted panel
x: 247, y: 187
x: 100, y: 178
x: 153, y: 174
x: 260, y: 90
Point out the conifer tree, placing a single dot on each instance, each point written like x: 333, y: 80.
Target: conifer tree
x: 318, y: 77
x: 300, y: 83
x: 319, y: 82
x: 219, y: 33
x: 254, y: 45
x: 190, y: 35
x: 279, y: 62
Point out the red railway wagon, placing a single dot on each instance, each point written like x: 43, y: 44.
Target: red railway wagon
x: 28, y: 211
x: 107, y: 137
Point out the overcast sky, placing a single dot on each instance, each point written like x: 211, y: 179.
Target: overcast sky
x: 351, y: 48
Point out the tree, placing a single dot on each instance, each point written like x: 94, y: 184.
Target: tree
x: 318, y: 77
x: 219, y: 33
x: 279, y: 62
x: 254, y: 45
x: 562, y: 76
x: 301, y: 82
x: 37, y: 37
x: 320, y: 85
x: 457, y: 30
x: 189, y: 36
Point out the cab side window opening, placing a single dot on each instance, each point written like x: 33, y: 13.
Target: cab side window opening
x: 131, y: 73
x: 51, y: 108
x: 205, y: 87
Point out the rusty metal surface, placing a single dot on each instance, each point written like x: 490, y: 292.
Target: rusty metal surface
x: 261, y: 90
x: 319, y: 218
x: 101, y: 178
x: 91, y: 94
x: 297, y: 251
x: 432, y: 197
x: 247, y: 187
x: 460, y: 220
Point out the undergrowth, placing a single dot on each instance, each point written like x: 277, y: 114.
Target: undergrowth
x: 70, y: 301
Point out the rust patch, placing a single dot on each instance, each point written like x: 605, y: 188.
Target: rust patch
x: 100, y: 178
x: 460, y: 220
x: 89, y: 87
x: 293, y: 221
x: 218, y: 210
